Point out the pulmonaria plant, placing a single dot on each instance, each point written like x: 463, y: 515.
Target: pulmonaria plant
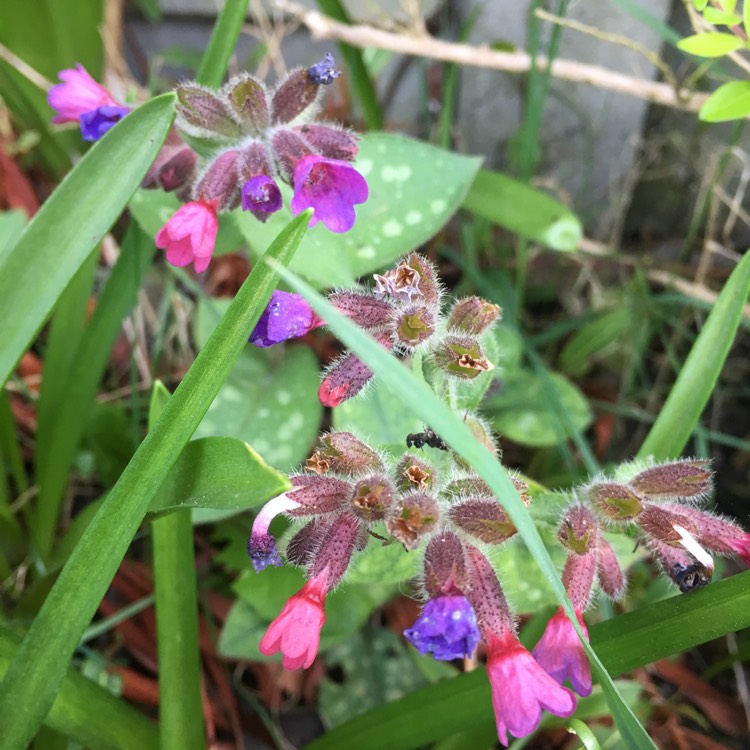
x: 261, y: 137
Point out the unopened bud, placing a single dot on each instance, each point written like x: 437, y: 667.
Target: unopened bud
x: 296, y: 93
x: 462, y: 357
x: 444, y: 565
x: 616, y: 501
x: 486, y: 595
x: 609, y: 571
x: 484, y: 519
x: 414, y: 326
x: 472, y: 315
x: 664, y: 524
x: 249, y: 100
x: 318, y: 494
x: 301, y: 546
x: 716, y: 533
x: 413, y: 473
x: 174, y: 166
x: 366, y: 311
x: 372, y: 498
x: 336, y: 548
x: 680, y: 479
x: 202, y: 112
x: 579, y: 530
x: 467, y: 487
x: 413, y: 516
x: 289, y: 148
x: 219, y: 182
x: 343, y: 453
x: 578, y: 577
x: 331, y: 141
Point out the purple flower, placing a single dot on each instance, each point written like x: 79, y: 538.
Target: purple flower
x: 261, y: 193
x: 447, y: 626
x: 97, y: 122
x: 287, y: 316
x: 560, y: 653
x: 323, y: 72
x: 331, y: 187
x: 77, y: 94
x: 261, y: 546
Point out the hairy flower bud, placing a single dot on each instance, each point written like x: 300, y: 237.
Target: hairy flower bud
x: 174, y: 166
x: 365, y: 310
x: 300, y: 547
x: 716, y: 533
x: 372, y: 497
x: 444, y: 565
x: 467, y: 487
x: 414, y: 515
x: 336, y: 547
x: 472, y: 315
x: 413, y: 473
x: 343, y: 453
x: 609, y: 571
x: 202, y: 112
x: 616, y: 501
x: 664, y: 524
x: 317, y: 494
x: 249, y: 100
x: 578, y: 577
x: 484, y: 519
x: 486, y: 595
x: 331, y: 141
x: 289, y: 149
x: 429, y: 286
x: 691, y: 478
x: 579, y: 530
x: 462, y: 357
x: 414, y: 325
x: 219, y: 182
x: 295, y: 94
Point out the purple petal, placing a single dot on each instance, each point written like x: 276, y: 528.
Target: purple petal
x: 97, y: 122
x: 261, y: 193
x: 447, y: 626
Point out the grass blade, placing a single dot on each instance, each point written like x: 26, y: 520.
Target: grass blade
x: 29, y: 687
x: 221, y: 45
x: 72, y: 222
x: 695, y: 383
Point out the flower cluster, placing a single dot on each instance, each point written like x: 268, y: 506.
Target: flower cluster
x: 79, y: 98
x: 262, y: 137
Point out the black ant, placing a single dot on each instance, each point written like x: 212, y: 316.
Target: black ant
x: 428, y: 437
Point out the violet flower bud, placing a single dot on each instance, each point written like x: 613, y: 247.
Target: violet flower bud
x: 287, y: 316
x: 261, y: 546
x: 447, y: 627
x: 96, y: 123
x: 261, y: 196
x: 323, y: 73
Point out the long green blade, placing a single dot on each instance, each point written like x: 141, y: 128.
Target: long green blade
x: 223, y: 40
x: 72, y: 222
x: 34, y: 676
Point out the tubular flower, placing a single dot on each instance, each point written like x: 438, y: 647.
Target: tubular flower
x: 296, y: 631
x: 287, y: 316
x: 521, y: 688
x: 262, y: 546
x: 561, y: 655
x: 447, y: 626
x: 261, y: 193
x: 96, y: 123
x: 741, y: 546
x: 331, y: 187
x: 190, y: 235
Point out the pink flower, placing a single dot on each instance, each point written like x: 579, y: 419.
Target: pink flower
x: 742, y: 547
x: 331, y: 187
x: 190, y: 235
x: 560, y: 653
x: 521, y: 688
x: 79, y: 93
x: 296, y: 631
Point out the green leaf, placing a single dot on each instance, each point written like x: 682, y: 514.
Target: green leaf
x: 710, y: 44
x: 526, y: 409
x: 221, y: 473
x: 88, y: 713
x: 721, y: 17
x: 11, y: 227
x: 29, y: 687
x: 595, y: 339
x: 731, y: 101
x: 72, y: 221
x: 417, y: 397
x: 522, y: 209
x: 222, y: 43
x: 414, y: 189
x: 689, y: 395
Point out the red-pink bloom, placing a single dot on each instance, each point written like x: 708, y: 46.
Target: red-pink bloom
x: 521, y: 688
x: 79, y: 93
x: 742, y: 547
x: 561, y: 655
x: 331, y: 187
x: 190, y: 235
x: 296, y: 631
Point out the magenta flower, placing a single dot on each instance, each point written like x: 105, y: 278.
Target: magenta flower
x: 287, y: 316
x: 447, y: 626
x: 560, y: 653
x: 742, y: 547
x: 97, y: 122
x: 296, y: 631
x: 521, y: 688
x: 330, y: 187
x: 190, y: 235
x: 261, y: 193
x: 78, y: 94
x: 261, y: 546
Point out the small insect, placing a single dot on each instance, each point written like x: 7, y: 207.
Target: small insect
x: 428, y: 437
x: 690, y: 577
